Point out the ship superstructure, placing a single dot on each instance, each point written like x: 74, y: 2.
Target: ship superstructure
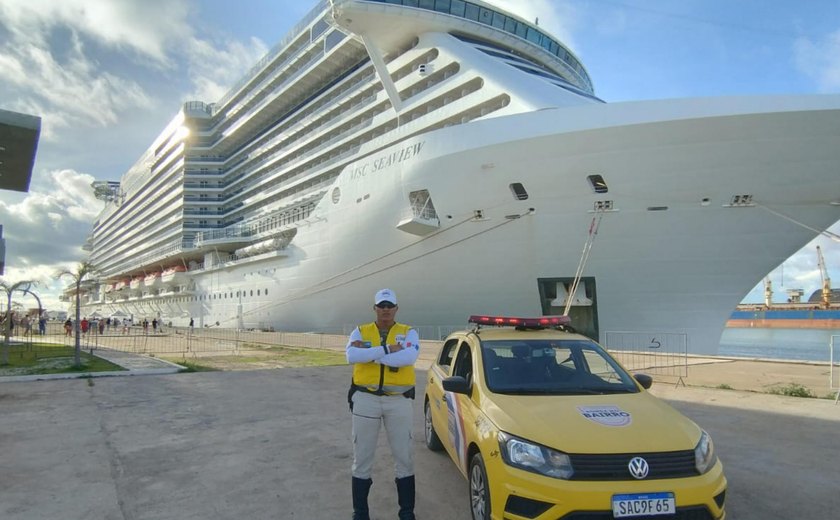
x: 459, y: 155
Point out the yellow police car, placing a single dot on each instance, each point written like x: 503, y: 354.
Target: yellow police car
x: 546, y: 425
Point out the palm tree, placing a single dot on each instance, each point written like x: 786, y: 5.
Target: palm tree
x: 9, y: 289
x: 83, y: 271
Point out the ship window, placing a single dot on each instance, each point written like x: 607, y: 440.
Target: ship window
x: 318, y: 29
x: 598, y: 183
x: 252, y: 292
x: 499, y: 20
x: 427, y: 4
x: 519, y: 192
x: 485, y: 16
x: 442, y: 6
x: 266, y: 292
x: 472, y: 12
x: 457, y: 7
x: 510, y: 25
x: 333, y: 39
x: 258, y: 292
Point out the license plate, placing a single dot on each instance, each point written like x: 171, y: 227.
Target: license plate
x: 628, y: 506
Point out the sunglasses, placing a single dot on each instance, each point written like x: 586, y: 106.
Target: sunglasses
x: 385, y: 305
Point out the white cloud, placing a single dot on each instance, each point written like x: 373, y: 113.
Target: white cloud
x: 143, y: 27
x: 89, y: 63
x: 44, y: 231
x: 820, y: 60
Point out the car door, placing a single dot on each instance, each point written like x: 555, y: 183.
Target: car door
x: 440, y: 370
x: 460, y: 408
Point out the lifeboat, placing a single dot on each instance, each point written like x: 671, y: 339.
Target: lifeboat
x: 152, y: 279
x: 173, y: 275
x: 136, y: 283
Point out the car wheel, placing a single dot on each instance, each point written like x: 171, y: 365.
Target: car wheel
x: 479, y: 489
x: 432, y: 439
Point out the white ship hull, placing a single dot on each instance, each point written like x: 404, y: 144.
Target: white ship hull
x: 680, y: 269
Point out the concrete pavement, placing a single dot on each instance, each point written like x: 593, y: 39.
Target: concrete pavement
x: 276, y: 444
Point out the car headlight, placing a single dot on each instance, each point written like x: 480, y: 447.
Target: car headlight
x: 704, y: 453
x: 528, y: 456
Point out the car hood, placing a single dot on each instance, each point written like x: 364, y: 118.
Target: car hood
x: 612, y: 423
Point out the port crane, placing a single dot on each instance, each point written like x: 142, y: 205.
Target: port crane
x: 826, y: 281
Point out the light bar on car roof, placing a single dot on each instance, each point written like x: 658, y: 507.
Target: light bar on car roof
x: 509, y: 321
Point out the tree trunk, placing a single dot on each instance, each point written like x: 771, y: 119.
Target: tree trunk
x: 77, y: 360
x: 7, y: 332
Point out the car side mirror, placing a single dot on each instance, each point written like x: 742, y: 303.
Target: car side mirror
x: 645, y: 380
x: 457, y: 384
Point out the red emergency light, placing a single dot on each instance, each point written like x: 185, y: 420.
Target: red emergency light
x: 510, y: 321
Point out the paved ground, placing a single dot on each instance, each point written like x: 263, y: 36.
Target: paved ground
x: 275, y: 444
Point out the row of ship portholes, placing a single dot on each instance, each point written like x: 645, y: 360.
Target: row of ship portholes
x: 231, y: 295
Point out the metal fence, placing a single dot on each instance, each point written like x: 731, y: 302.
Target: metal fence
x: 656, y: 353
x: 834, y: 366
x: 180, y: 341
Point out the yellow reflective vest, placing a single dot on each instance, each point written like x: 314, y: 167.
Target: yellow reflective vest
x: 378, y: 378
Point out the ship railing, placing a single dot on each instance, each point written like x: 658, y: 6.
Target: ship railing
x: 276, y: 91
x: 166, y: 250
x: 285, y: 131
x: 273, y: 53
x: 273, y: 157
x: 265, y: 227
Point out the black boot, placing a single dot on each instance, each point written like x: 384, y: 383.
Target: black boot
x: 405, y: 497
x: 361, y: 487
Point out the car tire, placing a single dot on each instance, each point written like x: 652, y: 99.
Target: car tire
x: 479, y: 489
x: 432, y: 439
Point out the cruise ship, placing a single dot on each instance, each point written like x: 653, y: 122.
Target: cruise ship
x: 458, y: 154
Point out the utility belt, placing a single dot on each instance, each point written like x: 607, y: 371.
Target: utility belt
x: 408, y: 394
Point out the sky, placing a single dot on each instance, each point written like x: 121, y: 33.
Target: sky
x: 106, y: 76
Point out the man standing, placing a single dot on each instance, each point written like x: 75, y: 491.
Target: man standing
x: 383, y: 354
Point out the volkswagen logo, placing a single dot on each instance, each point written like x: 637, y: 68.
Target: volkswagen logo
x: 638, y: 467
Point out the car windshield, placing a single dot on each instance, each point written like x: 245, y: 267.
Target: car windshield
x: 545, y: 366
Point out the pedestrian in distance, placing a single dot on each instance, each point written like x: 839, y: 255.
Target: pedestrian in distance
x: 68, y: 327
x: 26, y: 325
x: 383, y: 354
x: 42, y: 325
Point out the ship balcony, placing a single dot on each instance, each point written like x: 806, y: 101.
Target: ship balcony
x: 421, y: 218
x: 419, y: 225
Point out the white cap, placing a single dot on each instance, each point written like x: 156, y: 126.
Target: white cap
x: 385, y: 295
